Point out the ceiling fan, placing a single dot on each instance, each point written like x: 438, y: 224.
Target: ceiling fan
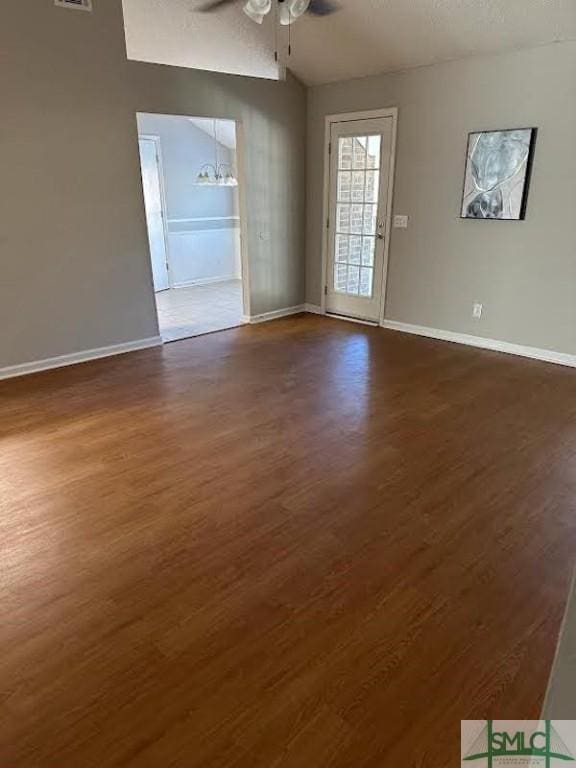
x: 288, y: 10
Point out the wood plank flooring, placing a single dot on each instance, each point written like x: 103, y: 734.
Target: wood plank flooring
x: 296, y: 545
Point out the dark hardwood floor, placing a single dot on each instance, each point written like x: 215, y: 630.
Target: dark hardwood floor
x: 301, y: 544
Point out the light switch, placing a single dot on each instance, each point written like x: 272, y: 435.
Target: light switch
x: 400, y: 222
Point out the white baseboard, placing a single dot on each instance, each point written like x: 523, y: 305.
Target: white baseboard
x: 61, y: 361
x: 205, y: 281
x: 276, y: 314
x: 313, y: 309
x: 547, y: 355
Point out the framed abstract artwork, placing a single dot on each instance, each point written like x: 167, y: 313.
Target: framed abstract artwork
x: 497, y: 178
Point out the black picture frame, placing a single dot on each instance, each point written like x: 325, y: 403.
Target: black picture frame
x: 527, y: 176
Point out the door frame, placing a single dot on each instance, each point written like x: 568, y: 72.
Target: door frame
x: 342, y: 118
x: 158, y: 144
x: 243, y: 213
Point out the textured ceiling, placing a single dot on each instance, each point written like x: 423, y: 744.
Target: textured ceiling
x: 366, y: 37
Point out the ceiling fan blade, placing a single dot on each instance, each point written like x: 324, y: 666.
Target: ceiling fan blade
x: 322, y: 7
x: 214, y: 5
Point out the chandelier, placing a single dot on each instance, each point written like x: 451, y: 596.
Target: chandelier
x: 216, y: 174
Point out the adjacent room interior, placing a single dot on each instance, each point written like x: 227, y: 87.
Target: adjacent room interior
x: 288, y: 397
x: 190, y: 183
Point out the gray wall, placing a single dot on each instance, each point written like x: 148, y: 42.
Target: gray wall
x: 523, y: 272
x: 73, y: 244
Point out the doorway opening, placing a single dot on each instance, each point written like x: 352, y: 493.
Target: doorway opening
x: 190, y: 180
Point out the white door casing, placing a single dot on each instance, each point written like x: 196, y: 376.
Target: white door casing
x: 358, y: 202
x: 155, y: 216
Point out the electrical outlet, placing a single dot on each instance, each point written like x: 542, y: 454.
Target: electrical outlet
x: 400, y: 222
x: 477, y: 310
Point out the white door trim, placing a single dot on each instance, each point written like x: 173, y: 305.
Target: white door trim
x: 243, y: 209
x: 342, y: 118
x: 158, y: 144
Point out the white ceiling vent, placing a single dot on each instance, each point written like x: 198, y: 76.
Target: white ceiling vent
x: 81, y: 5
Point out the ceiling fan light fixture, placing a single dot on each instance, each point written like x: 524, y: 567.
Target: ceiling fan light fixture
x: 290, y: 10
x: 298, y: 7
x: 257, y: 9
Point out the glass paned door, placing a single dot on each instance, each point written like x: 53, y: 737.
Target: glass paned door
x: 356, y: 214
x: 360, y: 161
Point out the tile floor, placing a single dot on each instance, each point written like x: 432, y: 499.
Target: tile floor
x: 184, y: 312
